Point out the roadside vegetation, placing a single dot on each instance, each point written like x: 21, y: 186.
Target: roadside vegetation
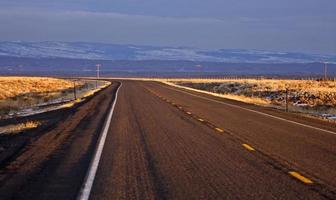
x: 315, y: 97
x: 17, y: 128
x: 16, y: 86
x: 27, y: 95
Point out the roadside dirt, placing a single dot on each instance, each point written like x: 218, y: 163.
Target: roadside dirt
x: 51, y: 161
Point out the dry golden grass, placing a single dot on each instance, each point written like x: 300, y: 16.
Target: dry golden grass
x: 21, y: 95
x: 312, y: 92
x: 13, y: 129
x: 14, y: 86
x: 311, y: 86
x: 253, y: 100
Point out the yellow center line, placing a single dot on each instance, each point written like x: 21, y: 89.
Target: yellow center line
x: 300, y: 177
x: 248, y: 147
x: 219, y: 130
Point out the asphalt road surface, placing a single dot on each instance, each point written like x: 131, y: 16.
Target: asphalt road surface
x: 167, y: 143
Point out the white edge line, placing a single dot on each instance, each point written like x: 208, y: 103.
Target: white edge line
x: 235, y: 106
x: 85, y: 190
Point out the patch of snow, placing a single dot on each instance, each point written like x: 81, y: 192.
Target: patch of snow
x: 81, y: 50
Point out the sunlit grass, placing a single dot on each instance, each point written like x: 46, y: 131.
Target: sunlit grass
x: 273, y: 84
x: 14, y: 86
x: 24, y: 93
x: 14, y: 129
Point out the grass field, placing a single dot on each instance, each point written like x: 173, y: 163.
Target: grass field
x: 313, y: 86
x: 15, y: 86
x: 22, y: 93
x: 316, y: 97
x: 16, y: 128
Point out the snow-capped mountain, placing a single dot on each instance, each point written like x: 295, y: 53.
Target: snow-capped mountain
x: 93, y: 51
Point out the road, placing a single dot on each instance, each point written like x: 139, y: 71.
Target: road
x: 156, y: 150
x: 167, y: 143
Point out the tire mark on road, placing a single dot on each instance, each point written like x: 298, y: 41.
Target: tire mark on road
x: 160, y: 191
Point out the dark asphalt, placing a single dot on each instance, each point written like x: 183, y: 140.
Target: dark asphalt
x: 309, y: 150
x: 163, y: 144
x: 156, y: 151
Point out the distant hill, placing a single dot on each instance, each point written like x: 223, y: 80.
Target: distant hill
x: 167, y: 68
x: 113, y: 52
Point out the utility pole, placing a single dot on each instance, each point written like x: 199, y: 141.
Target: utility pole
x: 74, y: 89
x: 98, y: 70
x: 325, y: 71
x: 286, y: 99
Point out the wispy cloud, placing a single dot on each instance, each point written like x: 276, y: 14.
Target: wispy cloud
x: 276, y: 33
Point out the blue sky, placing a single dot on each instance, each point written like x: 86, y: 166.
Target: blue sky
x: 286, y: 25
